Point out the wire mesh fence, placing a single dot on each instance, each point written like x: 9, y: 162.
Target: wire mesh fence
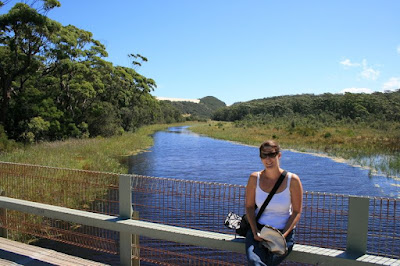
x: 191, y: 204
x: 83, y: 190
x: 324, y: 220
x: 384, y: 227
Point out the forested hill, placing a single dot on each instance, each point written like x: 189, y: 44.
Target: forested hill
x: 326, y: 107
x: 207, y: 106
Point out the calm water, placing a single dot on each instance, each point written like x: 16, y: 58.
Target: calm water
x: 182, y: 154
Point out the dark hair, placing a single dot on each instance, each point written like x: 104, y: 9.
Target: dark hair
x: 269, y: 144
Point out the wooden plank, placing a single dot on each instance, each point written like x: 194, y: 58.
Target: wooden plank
x: 16, y: 253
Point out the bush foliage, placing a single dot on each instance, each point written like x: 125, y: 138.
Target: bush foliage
x: 56, y: 83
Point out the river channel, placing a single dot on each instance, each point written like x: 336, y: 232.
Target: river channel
x: 181, y: 154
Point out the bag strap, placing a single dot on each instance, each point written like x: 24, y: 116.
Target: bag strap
x: 271, y: 194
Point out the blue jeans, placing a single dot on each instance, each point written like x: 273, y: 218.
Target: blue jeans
x: 259, y: 255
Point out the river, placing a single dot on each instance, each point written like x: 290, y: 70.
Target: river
x: 181, y: 154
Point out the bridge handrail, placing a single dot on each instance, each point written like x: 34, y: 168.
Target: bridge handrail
x: 301, y: 253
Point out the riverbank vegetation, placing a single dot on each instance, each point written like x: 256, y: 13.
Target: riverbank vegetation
x: 374, y: 149
x: 60, y: 188
x: 362, y: 128
x: 95, y: 154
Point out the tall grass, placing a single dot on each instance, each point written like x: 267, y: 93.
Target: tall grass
x: 374, y: 148
x: 98, y: 154
x: 64, y: 188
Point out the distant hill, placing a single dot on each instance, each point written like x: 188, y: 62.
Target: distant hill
x: 326, y: 107
x: 204, y: 109
x: 212, y: 103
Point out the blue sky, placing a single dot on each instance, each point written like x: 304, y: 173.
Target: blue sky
x: 243, y: 50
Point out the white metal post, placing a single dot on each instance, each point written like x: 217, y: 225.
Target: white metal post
x: 357, y: 227
x: 3, y: 215
x: 125, y: 211
x: 135, y: 243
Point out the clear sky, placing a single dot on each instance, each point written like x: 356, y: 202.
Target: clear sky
x: 241, y: 50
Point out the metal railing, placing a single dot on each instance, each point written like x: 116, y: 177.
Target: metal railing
x: 189, y: 204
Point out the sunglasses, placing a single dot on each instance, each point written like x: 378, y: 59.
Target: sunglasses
x: 269, y: 155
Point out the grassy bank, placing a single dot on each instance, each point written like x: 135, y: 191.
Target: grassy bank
x: 98, y: 154
x: 377, y: 149
x: 67, y: 188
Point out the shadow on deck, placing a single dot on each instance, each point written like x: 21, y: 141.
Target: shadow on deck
x: 16, y: 253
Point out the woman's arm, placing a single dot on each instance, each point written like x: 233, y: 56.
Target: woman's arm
x: 250, y: 204
x: 296, y: 192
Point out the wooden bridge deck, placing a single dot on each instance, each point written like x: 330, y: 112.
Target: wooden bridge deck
x: 15, y: 253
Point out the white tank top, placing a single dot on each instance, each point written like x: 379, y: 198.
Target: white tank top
x: 279, y: 208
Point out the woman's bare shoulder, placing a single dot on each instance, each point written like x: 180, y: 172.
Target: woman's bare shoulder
x: 296, y: 177
x: 295, y: 181
x: 254, y: 174
x: 253, y: 178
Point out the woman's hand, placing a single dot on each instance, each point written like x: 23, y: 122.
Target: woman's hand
x: 257, y: 237
x: 285, y: 234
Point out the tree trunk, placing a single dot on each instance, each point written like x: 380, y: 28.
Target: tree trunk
x: 5, y: 89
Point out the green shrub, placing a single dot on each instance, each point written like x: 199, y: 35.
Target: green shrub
x: 5, y: 143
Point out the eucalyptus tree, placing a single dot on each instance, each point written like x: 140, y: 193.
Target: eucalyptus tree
x: 75, y: 82
x: 129, y: 92
x: 25, y: 36
x: 55, y: 81
x: 42, y: 6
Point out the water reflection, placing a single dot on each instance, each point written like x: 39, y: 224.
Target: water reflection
x: 182, y: 154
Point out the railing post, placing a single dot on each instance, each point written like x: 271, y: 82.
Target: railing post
x: 135, y: 243
x: 125, y: 211
x: 357, y: 227
x: 3, y: 218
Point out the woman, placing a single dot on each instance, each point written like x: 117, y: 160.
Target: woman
x: 283, y: 211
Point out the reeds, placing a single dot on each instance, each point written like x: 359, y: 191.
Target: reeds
x: 368, y: 147
x: 98, y: 154
x: 62, y: 187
